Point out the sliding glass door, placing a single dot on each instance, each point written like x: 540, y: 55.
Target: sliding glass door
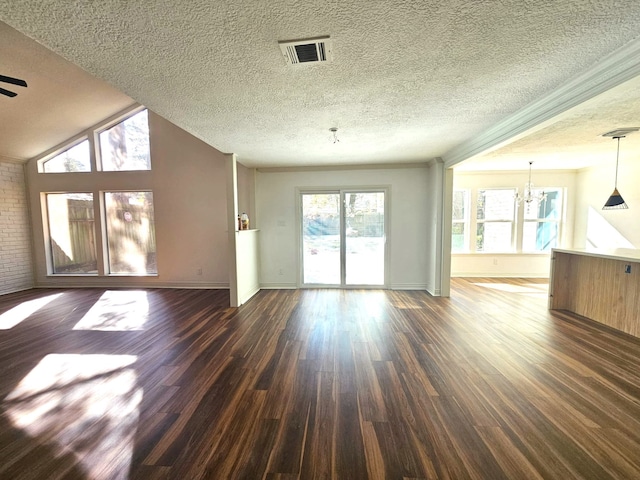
x: 321, y: 238
x: 343, y: 238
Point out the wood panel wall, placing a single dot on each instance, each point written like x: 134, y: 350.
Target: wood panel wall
x: 597, y: 288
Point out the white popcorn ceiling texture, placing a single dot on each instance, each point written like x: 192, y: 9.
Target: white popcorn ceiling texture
x: 410, y: 79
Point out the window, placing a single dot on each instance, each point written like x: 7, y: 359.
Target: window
x: 541, y: 222
x: 125, y: 231
x: 125, y: 146
x: 460, y: 223
x: 74, y: 159
x: 72, y: 232
x: 131, y: 236
x: 495, y: 220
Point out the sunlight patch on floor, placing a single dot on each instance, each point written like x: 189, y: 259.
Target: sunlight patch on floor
x: 87, y: 405
x: 117, y: 311
x: 532, y: 289
x: 19, y: 313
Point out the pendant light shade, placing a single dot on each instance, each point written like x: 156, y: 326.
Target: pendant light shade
x: 616, y: 202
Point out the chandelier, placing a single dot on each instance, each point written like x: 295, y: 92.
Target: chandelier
x: 528, y: 196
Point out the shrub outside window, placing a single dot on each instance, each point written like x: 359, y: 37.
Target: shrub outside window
x: 74, y: 159
x: 131, y: 236
x: 125, y: 146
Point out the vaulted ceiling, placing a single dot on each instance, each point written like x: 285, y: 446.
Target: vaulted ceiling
x: 410, y: 80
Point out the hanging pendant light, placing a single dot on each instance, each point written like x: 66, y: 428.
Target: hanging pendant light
x: 616, y: 202
x: 528, y: 196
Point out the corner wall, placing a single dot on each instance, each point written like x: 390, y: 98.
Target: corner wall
x: 16, y: 272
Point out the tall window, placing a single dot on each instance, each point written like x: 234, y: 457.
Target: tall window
x: 460, y: 222
x: 72, y: 232
x: 126, y: 227
x: 541, y: 222
x: 125, y: 146
x: 130, y: 232
x: 74, y: 159
x: 495, y: 220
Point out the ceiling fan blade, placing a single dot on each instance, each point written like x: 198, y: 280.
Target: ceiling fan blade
x: 7, y: 93
x: 13, y: 81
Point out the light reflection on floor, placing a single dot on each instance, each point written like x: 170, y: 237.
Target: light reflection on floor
x: 85, y: 404
x: 530, y: 289
x: 19, y: 313
x: 117, y: 311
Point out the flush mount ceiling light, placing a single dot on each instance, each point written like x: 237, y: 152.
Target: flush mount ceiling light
x: 334, y: 131
x: 615, y: 201
x: 528, y: 196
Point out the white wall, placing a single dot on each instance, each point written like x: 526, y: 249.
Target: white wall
x: 608, y: 228
x: 247, y: 245
x: 514, y: 264
x: 16, y: 271
x: 188, y: 180
x: 410, y: 243
x: 433, y: 210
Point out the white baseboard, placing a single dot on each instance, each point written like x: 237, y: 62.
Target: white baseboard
x: 408, y: 286
x: 245, y: 297
x: 120, y: 284
x: 278, y: 286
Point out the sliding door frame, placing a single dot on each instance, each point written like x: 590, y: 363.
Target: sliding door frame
x: 342, y: 191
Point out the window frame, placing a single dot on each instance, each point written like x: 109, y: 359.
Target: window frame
x: 513, y: 221
x: 558, y: 221
x: 465, y: 221
x: 92, y: 134
x: 95, y: 182
x: 105, y: 232
x: 48, y: 238
x: 96, y: 132
x: 60, y: 149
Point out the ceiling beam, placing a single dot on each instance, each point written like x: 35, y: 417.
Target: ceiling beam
x: 617, y: 68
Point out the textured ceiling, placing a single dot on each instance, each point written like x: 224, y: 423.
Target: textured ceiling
x: 574, y: 140
x: 410, y: 80
x: 60, y: 100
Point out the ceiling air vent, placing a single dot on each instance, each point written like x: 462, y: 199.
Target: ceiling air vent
x: 311, y: 50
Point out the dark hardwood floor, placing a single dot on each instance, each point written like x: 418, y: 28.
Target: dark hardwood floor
x: 314, y: 384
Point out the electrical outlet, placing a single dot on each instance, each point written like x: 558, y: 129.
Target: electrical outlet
x: 280, y: 272
x: 199, y: 271
x: 495, y: 261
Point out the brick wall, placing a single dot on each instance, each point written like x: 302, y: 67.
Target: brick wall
x: 16, y: 271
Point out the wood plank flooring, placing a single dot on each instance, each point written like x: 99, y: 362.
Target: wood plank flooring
x: 314, y: 384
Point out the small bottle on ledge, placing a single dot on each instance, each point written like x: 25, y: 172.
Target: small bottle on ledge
x: 245, y: 221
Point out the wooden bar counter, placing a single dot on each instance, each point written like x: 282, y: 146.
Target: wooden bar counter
x: 603, y: 285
